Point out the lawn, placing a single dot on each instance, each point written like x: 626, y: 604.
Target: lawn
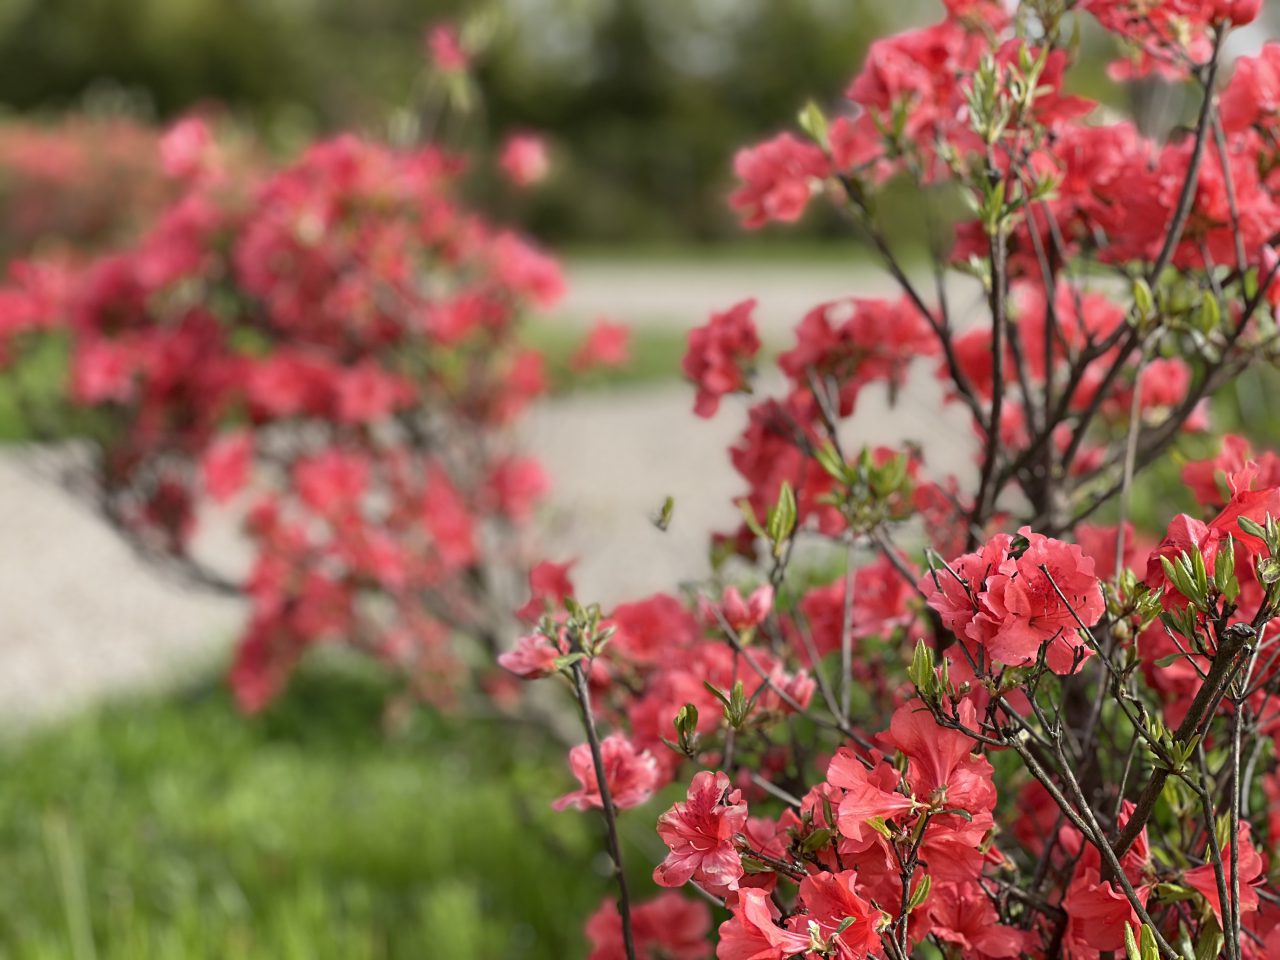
x: 172, y: 827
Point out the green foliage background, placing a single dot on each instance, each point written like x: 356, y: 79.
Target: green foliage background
x: 645, y: 100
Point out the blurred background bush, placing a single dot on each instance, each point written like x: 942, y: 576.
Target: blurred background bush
x: 643, y: 100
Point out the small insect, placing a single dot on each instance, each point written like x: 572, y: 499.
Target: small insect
x: 662, y: 519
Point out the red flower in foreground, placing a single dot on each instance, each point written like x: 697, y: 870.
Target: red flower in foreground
x: 868, y: 794
x: 953, y: 591
x: 1250, y: 871
x: 832, y: 904
x: 549, y: 585
x: 1043, y: 596
x: 534, y: 657
x: 669, y: 927
x: 778, y: 178
x: 717, y: 353
x: 1013, y: 605
x: 739, y: 613
x: 753, y: 934
x: 700, y: 835
x: 632, y: 775
x: 963, y: 914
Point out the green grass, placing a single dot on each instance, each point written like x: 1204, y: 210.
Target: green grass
x: 175, y: 828
x: 655, y: 354
x: 40, y: 375
x: 770, y: 248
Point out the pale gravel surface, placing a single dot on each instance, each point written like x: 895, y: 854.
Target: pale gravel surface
x: 683, y: 293
x: 81, y: 618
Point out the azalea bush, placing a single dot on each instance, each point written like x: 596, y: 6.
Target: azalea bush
x: 1010, y: 725
x: 330, y: 345
x: 82, y: 182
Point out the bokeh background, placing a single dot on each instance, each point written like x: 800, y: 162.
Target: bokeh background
x: 140, y: 815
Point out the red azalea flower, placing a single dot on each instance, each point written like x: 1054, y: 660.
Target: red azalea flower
x: 533, y: 657
x: 632, y: 775
x: 1043, y: 596
x: 668, y: 927
x: 607, y: 345
x: 549, y: 585
x: 1204, y: 881
x: 778, y: 178
x: 753, y: 932
x: 717, y: 353
x: 831, y: 902
x: 700, y: 832
x: 523, y: 158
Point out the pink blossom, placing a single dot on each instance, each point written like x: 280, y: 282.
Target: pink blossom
x: 868, y: 794
x: 717, y: 354
x: 668, y: 927
x: 753, y: 932
x: 607, y: 345
x: 367, y: 394
x: 1044, y: 596
x: 632, y: 775
x: 778, y: 178
x: 840, y: 913
x: 533, y: 657
x: 523, y: 158
x: 1250, y: 870
x: 740, y: 614
x: 549, y: 585
x: 444, y: 47
x: 225, y: 465
x: 514, y: 486
x: 700, y: 834
x: 186, y: 148
x: 333, y: 481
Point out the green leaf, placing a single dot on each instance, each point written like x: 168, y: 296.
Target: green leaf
x: 1252, y: 527
x: 662, y: 520
x: 781, y: 522
x: 1224, y: 564
x: 1211, y: 942
x: 1143, y: 298
x: 717, y: 693
x: 568, y: 660
x: 1130, y: 944
x: 1147, y: 944
x: 1210, y: 314
x: 814, y: 122
x: 879, y: 825
x: 920, y: 893
x: 817, y: 840
x: 921, y: 671
x: 829, y: 459
x: 749, y: 518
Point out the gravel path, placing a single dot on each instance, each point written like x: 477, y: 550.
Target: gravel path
x: 682, y: 294
x: 81, y: 618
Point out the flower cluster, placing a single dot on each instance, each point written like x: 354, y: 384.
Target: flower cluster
x: 1080, y: 714
x: 333, y: 347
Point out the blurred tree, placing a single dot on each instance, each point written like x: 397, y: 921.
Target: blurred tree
x: 645, y: 99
